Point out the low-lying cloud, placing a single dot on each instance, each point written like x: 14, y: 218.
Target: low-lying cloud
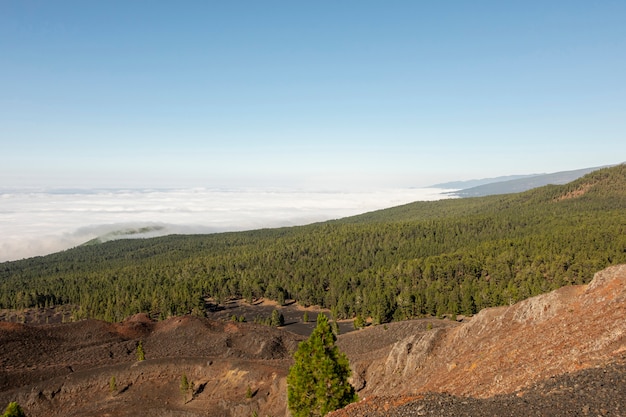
x: 34, y: 223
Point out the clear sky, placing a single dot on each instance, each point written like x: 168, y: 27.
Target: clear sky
x: 307, y: 94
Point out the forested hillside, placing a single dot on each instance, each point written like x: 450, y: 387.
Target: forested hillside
x: 425, y: 258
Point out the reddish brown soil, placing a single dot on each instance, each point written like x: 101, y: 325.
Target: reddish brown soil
x: 566, y: 347
x: 65, y: 369
x: 505, y: 350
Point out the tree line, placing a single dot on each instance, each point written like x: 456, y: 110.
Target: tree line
x: 426, y: 258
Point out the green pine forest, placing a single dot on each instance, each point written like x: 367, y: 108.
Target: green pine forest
x: 447, y: 257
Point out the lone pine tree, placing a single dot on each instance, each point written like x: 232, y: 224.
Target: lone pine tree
x: 185, y: 387
x: 141, y: 355
x: 318, y: 381
x: 14, y: 410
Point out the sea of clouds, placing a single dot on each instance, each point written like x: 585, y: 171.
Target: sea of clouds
x: 39, y: 222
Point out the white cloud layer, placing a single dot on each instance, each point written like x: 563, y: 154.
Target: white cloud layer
x: 36, y: 223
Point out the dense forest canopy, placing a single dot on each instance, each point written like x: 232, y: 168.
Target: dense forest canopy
x: 425, y: 258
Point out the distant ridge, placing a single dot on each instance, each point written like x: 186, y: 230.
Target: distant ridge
x: 463, y: 185
x: 128, y: 233
x: 514, y: 184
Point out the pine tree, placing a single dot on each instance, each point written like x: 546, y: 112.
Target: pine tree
x: 184, y: 387
x: 113, y: 385
x: 141, y: 355
x: 318, y: 381
x: 14, y: 410
x: 359, y: 322
x: 277, y: 319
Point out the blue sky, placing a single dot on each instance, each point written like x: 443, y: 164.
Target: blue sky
x: 335, y: 94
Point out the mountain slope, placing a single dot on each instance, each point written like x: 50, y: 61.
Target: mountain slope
x: 501, y: 350
x: 66, y: 369
x: 598, y: 391
x: 426, y: 258
x: 524, y: 183
x: 462, y: 185
x: 599, y: 185
x: 568, y: 345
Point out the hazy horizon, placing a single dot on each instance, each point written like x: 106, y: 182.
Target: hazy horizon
x: 36, y: 223
x: 339, y: 95
x: 349, y: 96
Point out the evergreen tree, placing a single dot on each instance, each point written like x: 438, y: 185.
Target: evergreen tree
x: 277, y: 319
x: 359, y: 322
x: 113, y: 385
x: 14, y: 410
x: 184, y: 387
x: 141, y: 355
x: 318, y: 381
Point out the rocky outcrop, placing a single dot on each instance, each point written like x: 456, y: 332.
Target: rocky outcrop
x: 506, y: 349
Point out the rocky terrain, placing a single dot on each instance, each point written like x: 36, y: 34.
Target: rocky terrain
x: 507, y: 350
x: 66, y: 369
x: 598, y: 391
x: 558, y: 354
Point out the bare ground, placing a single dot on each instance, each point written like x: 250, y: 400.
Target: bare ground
x: 506, y: 356
x: 557, y: 354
